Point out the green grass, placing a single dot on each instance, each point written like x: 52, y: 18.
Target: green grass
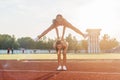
x: 54, y: 56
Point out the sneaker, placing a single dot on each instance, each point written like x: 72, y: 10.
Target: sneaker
x: 59, y: 68
x: 64, y: 68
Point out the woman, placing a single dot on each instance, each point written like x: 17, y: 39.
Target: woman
x: 60, y: 45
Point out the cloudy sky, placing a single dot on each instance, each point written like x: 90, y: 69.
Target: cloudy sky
x: 31, y: 17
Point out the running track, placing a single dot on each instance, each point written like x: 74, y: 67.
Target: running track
x: 46, y: 70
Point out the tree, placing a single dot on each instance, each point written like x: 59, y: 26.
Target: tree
x: 73, y: 43
x: 50, y: 43
x: 6, y: 41
x: 108, y: 43
x: 70, y: 41
x: 15, y: 44
x: 40, y: 45
x: 84, y: 44
x: 26, y: 42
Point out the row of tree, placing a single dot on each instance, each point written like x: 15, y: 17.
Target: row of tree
x: 7, y: 41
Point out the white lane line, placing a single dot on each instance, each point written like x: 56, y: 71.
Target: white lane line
x: 26, y: 71
x: 105, y: 61
x: 81, y: 72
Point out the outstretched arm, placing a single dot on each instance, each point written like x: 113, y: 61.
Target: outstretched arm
x: 54, y: 25
x: 46, y: 31
x: 67, y: 24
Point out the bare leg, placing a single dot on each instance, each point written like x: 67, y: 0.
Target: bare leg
x: 64, y: 60
x: 64, y: 57
x: 59, y: 57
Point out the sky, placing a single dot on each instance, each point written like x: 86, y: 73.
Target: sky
x: 29, y: 18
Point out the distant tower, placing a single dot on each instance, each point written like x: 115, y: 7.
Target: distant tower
x: 93, y: 40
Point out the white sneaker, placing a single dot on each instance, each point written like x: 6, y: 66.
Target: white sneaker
x: 59, y: 68
x: 64, y: 68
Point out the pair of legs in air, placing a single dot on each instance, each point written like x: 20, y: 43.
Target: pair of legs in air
x: 61, y: 45
x: 61, y: 48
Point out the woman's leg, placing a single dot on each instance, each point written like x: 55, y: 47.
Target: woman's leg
x: 65, y: 47
x: 64, y: 57
x: 64, y: 60
x: 59, y: 57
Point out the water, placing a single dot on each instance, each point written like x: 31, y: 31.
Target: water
x: 27, y: 51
